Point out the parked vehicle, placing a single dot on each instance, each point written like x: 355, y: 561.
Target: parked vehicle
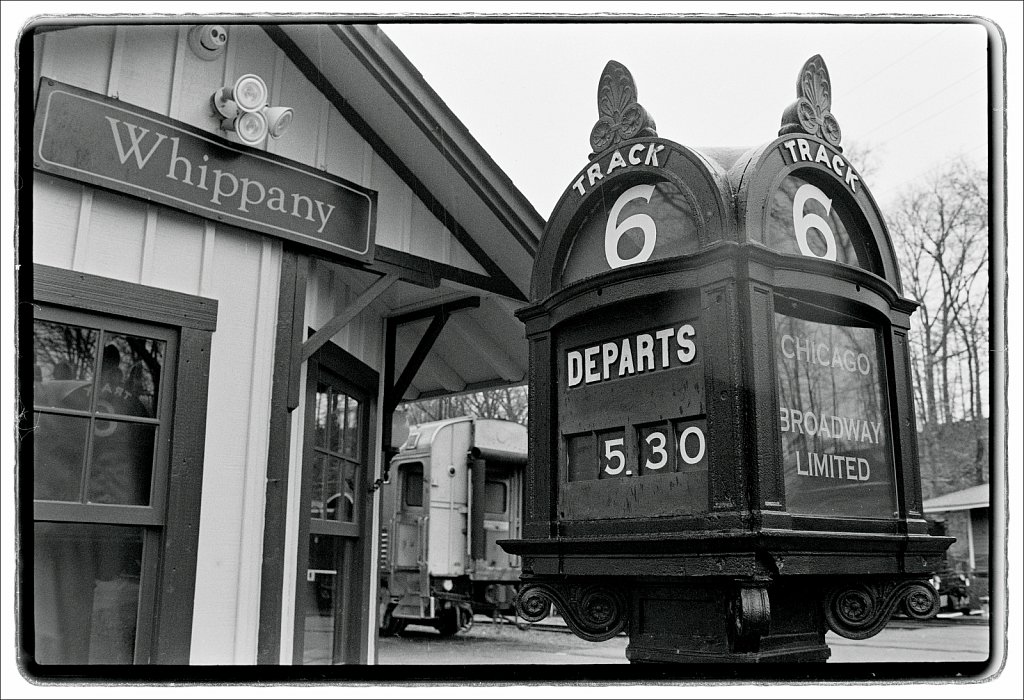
x: 954, y: 589
x: 454, y: 490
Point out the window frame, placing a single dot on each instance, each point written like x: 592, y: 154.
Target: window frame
x: 170, y: 555
x: 153, y: 514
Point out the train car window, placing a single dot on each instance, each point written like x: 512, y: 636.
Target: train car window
x: 495, y: 497
x: 412, y: 486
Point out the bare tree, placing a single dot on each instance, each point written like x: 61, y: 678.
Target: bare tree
x: 507, y: 403
x: 864, y: 156
x: 940, y: 230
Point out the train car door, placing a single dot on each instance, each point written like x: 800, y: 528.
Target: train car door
x: 410, y: 517
x: 501, y: 517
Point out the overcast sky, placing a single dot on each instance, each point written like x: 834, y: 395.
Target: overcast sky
x: 916, y: 94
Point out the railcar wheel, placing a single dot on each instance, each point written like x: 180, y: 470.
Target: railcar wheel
x: 390, y: 626
x: 448, y: 625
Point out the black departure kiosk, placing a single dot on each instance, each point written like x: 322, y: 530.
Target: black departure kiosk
x: 723, y: 456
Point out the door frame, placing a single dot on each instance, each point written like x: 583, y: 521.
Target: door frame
x: 349, y: 374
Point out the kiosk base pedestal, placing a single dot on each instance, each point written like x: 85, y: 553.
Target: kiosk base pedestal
x: 737, y: 623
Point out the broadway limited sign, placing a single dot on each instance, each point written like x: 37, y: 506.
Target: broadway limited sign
x: 105, y: 142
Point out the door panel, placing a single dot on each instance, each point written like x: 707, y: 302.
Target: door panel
x: 332, y: 585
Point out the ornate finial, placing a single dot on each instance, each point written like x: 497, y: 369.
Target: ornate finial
x: 811, y: 113
x: 621, y: 116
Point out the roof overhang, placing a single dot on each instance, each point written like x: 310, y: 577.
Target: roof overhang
x: 386, y: 100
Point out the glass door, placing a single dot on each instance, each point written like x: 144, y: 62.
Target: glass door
x: 331, y: 585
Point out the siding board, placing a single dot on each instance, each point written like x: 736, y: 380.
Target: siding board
x: 147, y: 67
x: 344, y: 156
x: 235, y: 279
x: 177, y: 251
x: 299, y: 142
x: 117, y: 226
x: 80, y: 57
x: 199, y: 80
x: 55, y: 205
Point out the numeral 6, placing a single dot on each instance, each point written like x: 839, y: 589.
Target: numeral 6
x: 614, y: 231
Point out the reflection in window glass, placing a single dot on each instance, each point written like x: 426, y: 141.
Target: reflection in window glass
x: 675, y: 230
x: 86, y: 588
x: 495, y: 495
x: 341, y: 505
x: 336, y: 422
x: 351, y: 445
x: 320, y: 414
x: 121, y: 467
x: 833, y: 420
x: 65, y: 360
x: 58, y: 457
x: 130, y: 375
x: 318, y: 605
x: 781, y: 232
x: 316, y: 502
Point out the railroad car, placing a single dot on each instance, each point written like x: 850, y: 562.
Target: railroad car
x: 454, y: 490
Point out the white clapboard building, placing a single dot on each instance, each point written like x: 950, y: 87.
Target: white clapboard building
x: 247, y: 244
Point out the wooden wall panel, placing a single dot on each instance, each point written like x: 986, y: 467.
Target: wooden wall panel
x: 345, y: 149
x: 80, y: 57
x: 116, y: 229
x: 253, y: 52
x: 301, y: 141
x: 55, y: 204
x: 198, y: 81
x: 235, y: 284
x: 394, y: 203
x: 255, y: 477
x: 177, y: 251
x: 427, y: 237
x: 147, y: 66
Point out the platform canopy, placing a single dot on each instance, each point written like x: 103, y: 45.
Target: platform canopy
x: 968, y: 499
x: 470, y: 232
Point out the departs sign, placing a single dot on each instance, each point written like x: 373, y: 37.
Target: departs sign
x: 105, y: 142
x: 833, y: 420
x: 632, y: 419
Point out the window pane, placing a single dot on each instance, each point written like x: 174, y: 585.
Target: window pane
x: 320, y: 414
x: 317, y: 496
x: 59, y: 443
x: 781, y: 231
x: 86, y: 588
x: 412, y: 486
x: 350, y: 447
x: 317, y: 604
x: 342, y: 487
x: 337, y: 421
x: 65, y: 357
x: 130, y: 375
x: 494, y: 497
x: 122, y: 462
x: 833, y: 420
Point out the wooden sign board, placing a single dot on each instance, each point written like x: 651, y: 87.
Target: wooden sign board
x: 105, y: 142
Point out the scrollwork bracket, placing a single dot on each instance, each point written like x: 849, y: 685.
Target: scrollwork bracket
x: 861, y: 610
x: 593, y: 612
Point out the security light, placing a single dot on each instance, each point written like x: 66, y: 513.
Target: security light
x: 244, y: 110
x: 250, y: 127
x: 249, y: 93
x: 278, y: 119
